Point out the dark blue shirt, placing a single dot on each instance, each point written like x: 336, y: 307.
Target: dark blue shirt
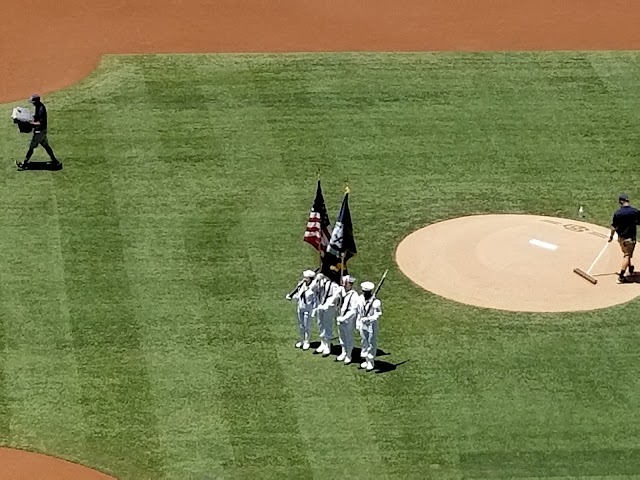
x: 625, y: 220
x: 40, y: 116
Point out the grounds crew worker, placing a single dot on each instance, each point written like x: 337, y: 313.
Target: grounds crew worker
x: 306, y: 303
x: 328, y: 296
x: 39, y: 133
x: 370, y: 312
x: 350, y: 300
x: 624, y: 224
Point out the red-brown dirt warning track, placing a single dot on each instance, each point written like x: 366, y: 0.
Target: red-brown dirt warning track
x: 21, y: 465
x: 48, y: 45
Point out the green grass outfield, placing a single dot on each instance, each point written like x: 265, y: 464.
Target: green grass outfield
x: 143, y: 329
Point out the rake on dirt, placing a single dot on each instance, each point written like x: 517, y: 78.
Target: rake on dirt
x: 587, y: 275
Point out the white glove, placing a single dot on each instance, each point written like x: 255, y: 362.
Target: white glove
x: 287, y: 296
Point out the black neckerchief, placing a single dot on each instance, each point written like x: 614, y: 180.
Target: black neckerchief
x: 325, y: 291
x: 368, y: 305
x: 346, y: 308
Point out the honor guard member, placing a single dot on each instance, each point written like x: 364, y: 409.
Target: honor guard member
x: 624, y: 224
x: 306, y: 303
x: 350, y: 300
x: 370, y: 312
x: 327, y: 296
x: 40, y: 125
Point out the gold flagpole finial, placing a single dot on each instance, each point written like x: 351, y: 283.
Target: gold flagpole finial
x: 318, y: 173
x: 347, y: 189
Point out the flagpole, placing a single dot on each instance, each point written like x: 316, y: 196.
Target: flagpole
x: 320, y: 244
x: 344, y: 254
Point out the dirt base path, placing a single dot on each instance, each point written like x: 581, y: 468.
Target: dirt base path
x: 517, y: 263
x: 21, y: 465
x: 48, y: 45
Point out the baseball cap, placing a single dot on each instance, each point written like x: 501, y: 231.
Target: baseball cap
x: 34, y: 97
x: 623, y: 197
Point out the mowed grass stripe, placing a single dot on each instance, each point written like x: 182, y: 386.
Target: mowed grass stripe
x: 115, y: 387
x: 257, y: 407
x: 156, y: 200
x: 8, y: 149
x: 183, y: 370
x: 339, y: 417
x: 5, y: 401
x: 40, y: 375
x: 619, y: 73
x: 5, y: 412
x: 333, y: 415
x: 336, y: 427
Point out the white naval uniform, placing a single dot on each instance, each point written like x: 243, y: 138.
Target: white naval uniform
x: 346, y: 321
x: 327, y: 298
x: 368, y: 322
x: 306, y: 303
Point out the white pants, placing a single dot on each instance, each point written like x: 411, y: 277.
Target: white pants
x: 345, y: 330
x: 304, y: 323
x: 369, y: 340
x: 325, y: 319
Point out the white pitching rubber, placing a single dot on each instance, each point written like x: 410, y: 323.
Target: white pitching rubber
x: 541, y: 244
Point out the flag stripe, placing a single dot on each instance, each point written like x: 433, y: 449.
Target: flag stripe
x: 318, y: 230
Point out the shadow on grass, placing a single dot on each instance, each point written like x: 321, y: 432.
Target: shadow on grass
x: 381, y: 366
x: 384, y: 367
x: 42, y: 166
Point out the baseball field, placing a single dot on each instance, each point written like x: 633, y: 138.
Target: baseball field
x: 143, y: 327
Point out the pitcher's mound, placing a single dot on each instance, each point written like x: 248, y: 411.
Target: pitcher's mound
x: 23, y: 465
x: 516, y: 262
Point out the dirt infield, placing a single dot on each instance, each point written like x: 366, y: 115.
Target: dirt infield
x: 73, y: 34
x: 21, y: 465
x: 516, y: 262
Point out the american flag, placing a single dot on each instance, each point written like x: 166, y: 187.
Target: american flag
x: 318, y: 231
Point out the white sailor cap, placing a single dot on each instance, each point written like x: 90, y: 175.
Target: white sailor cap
x: 367, y: 286
x: 349, y: 279
x: 308, y: 274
